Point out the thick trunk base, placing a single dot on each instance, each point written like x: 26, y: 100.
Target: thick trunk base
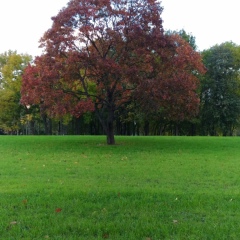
x: 110, y: 140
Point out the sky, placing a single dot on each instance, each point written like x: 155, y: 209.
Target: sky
x: 23, y: 23
x: 210, y: 21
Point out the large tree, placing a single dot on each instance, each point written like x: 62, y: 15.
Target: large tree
x: 100, y: 55
x: 220, y: 95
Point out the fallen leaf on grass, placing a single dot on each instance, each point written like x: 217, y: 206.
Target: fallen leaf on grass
x: 13, y: 222
x: 24, y: 201
x: 105, y: 235
x: 57, y: 210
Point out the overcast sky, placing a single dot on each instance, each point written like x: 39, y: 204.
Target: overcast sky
x: 22, y: 23
x: 210, y: 21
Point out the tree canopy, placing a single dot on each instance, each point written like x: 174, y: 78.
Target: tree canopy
x: 11, y: 68
x: 101, y: 55
x: 220, y: 94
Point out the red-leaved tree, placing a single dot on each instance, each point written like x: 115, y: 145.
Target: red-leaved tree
x: 172, y: 88
x: 100, y: 55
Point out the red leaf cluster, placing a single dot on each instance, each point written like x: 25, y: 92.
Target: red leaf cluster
x: 172, y: 87
x: 58, y: 210
x: 102, y: 54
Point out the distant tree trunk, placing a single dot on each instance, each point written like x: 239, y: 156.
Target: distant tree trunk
x: 231, y: 130
x: 47, y: 125
x: 193, y: 129
x: 146, y: 128
x: 176, y: 129
x: 31, y: 128
x: 59, y: 127
x: 134, y: 128
x: 50, y: 126
x: 78, y: 127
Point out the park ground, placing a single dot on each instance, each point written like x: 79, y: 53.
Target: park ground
x: 143, y: 188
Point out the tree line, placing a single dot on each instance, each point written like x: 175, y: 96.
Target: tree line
x: 109, y: 67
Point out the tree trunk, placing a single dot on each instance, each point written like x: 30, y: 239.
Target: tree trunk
x: 108, y: 125
x: 110, y: 133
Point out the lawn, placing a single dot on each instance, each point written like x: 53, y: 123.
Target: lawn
x: 143, y: 188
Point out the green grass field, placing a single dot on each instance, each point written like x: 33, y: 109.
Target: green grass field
x: 143, y: 188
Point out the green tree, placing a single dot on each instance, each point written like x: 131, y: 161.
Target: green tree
x: 11, y: 69
x: 188, y: 37
x: 220, y: 98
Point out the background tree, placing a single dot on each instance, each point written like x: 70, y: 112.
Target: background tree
x: 220, y: 97
x: 176, y: 98
x: 11, y: 68
x: 101, y: 55
x: 188, y: 37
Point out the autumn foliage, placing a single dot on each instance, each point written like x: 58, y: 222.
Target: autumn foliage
x: 173, y: 89
x: 100, y: 55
